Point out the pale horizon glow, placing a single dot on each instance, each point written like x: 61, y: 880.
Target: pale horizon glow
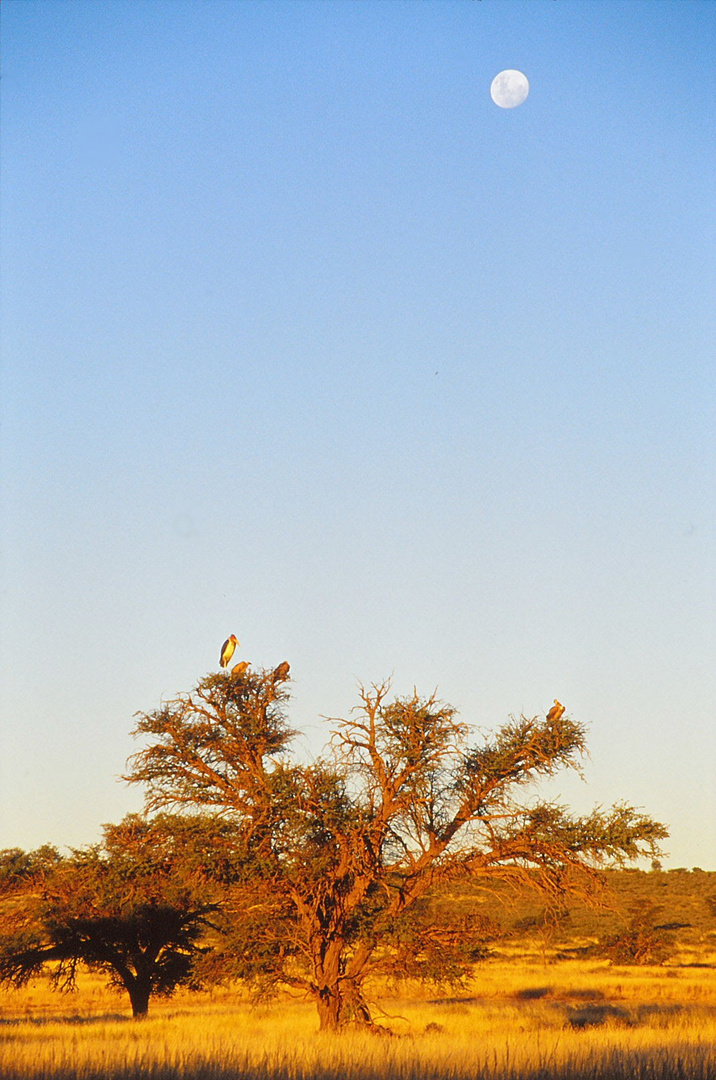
x: 307, y: 342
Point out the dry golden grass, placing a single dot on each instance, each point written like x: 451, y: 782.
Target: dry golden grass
x: 520, y: 1019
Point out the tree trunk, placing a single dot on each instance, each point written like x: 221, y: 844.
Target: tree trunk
x: 328, y: 1003
x: 341, y: 1004
x: 139, y: 996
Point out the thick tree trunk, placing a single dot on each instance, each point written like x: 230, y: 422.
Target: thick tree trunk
x: 338, y: 980
x: 139, y: 997
x: 328, y: 1003
x: 341, y: 1004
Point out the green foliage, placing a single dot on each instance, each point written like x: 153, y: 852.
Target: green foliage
x: 18, y: 867
x: 133, y: 907
x: 681, y: 906
x: 642, y: 941
x: 227, y: 725
x: 435, y: 944
x: 522, y: 750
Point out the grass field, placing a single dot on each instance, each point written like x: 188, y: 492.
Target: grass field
x: 521, y: 1018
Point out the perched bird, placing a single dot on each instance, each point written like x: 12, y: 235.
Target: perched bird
x: 239, y: 670
x: 282, y: 671
x: 227, y: 651
x: 556, y: 711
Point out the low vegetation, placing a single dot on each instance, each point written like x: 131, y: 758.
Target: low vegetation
x: 638, y: 918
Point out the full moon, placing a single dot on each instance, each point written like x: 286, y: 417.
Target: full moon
x: 509, y: 88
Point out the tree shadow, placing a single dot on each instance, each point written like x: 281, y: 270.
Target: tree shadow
x: 596, y: 1014
x: 532, y: 993
x: 455, y: 1001
x: 41, y: 1021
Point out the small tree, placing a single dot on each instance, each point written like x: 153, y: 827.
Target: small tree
x: 132, y: 907
x: 641, y: 940
x: 339, y: 855
x: 18, y: 868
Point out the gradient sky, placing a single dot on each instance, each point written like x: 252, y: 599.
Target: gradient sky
x: 306, y: 340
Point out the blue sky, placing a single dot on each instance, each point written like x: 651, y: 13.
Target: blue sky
x: 306, y: 340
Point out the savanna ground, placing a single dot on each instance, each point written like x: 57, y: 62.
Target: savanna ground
x: 527, y: 1014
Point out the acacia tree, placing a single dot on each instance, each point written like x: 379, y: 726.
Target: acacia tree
x: 339, y: 854
x: 132, y: 907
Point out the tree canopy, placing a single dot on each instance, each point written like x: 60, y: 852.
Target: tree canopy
x: 133, y: 907
x: 335, y: 858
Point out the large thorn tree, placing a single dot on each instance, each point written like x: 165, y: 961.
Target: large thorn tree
x: 339, y: 854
